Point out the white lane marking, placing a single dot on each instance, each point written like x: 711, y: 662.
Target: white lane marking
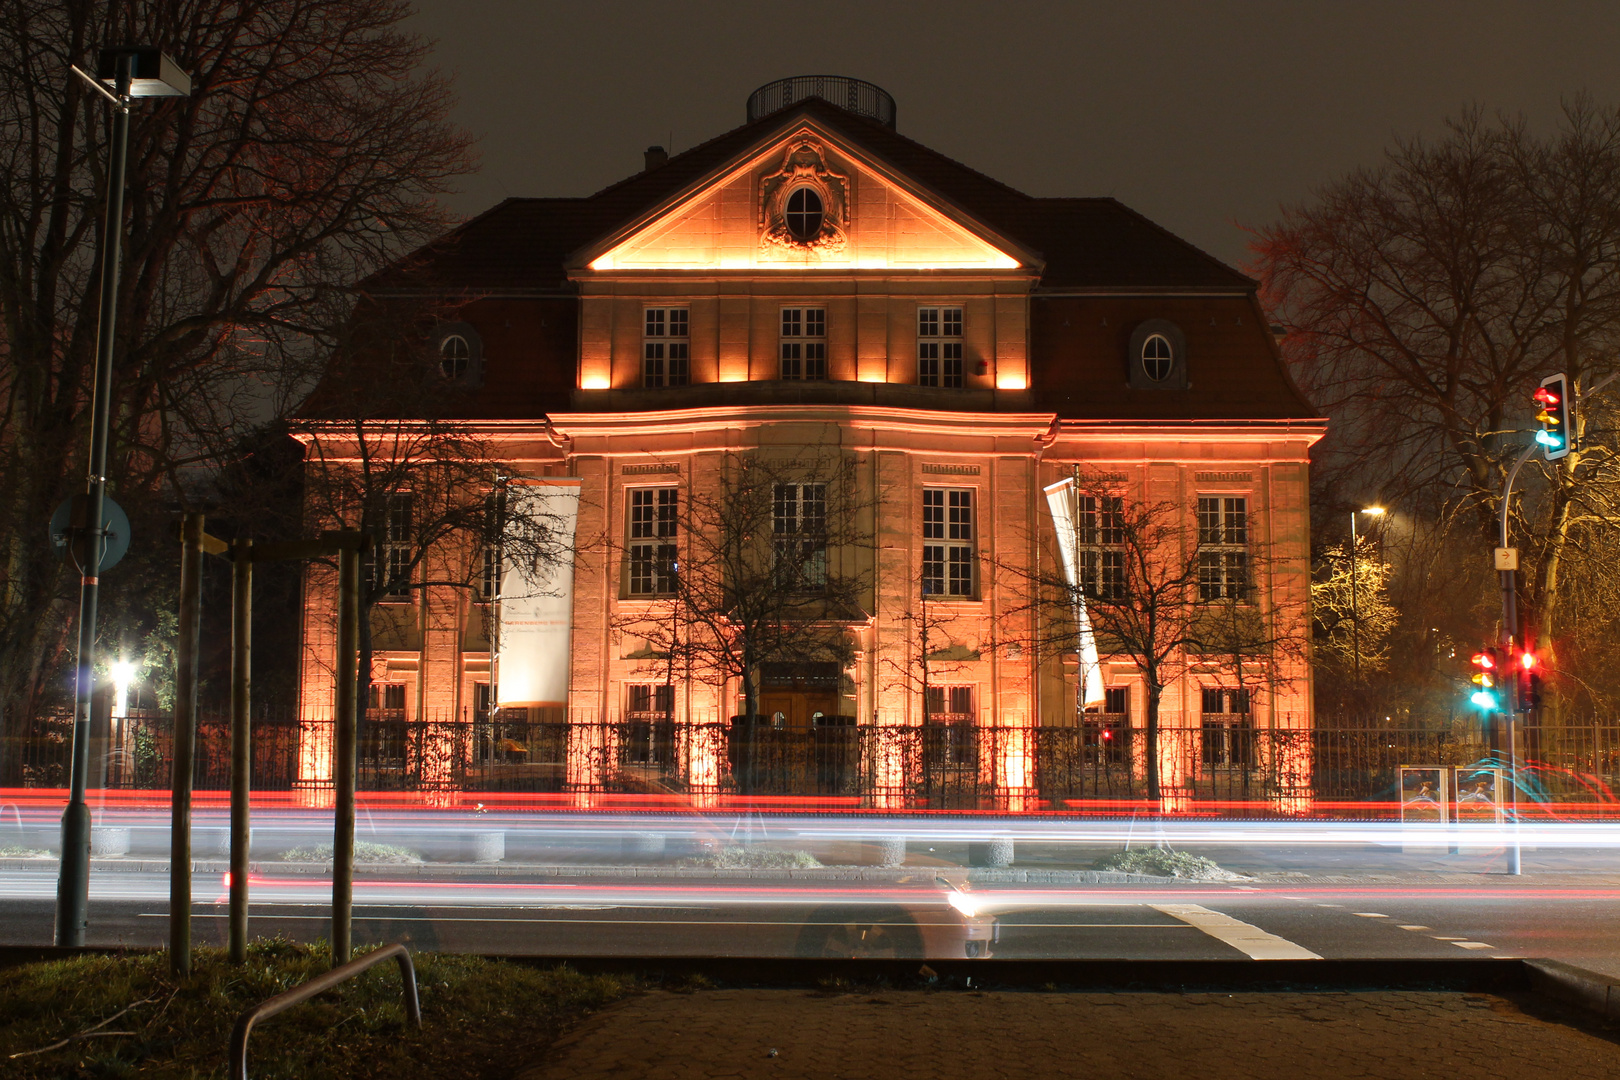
x: 1437, y: 937
x: 1369, y: 915
x: 1472, y: 945
x: 1405, y: 927
x: 1245, y: 938
x: 1330, y: 905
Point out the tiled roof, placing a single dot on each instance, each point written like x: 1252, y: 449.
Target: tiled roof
x: 521, y: 244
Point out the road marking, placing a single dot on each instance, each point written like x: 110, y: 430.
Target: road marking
x: 1330, y: 905
x: 1437, y: 937
x: 1405, y: 927
x: 1369, y: 915
x: 1472, y: 945
x: 1245, y: 938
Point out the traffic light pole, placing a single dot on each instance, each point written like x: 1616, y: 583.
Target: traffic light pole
x: 1510, y: 631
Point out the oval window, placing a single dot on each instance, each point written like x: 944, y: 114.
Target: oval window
x: 1157, y: 357
x: 803, y: 216
x: 455, y: 356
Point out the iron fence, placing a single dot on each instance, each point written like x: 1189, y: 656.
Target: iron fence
x: 1224, y: 763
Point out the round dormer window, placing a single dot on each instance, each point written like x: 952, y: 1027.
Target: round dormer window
x: 1158, y: 357
x: 803, y: 215
x: 455, y: 356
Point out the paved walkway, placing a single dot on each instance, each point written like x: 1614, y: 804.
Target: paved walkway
x: 965, y: 1035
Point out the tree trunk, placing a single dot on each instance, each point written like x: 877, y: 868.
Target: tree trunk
x: 1153, y: 693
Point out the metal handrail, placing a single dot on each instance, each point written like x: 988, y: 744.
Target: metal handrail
x: 304, y: 991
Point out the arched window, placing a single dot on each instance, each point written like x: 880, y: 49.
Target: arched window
x: 1158, y: 358
x: 455, y: 356
x: 803, y: 216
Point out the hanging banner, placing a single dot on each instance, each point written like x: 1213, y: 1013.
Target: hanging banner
x: 535, y: 605
x: 1060, y: 498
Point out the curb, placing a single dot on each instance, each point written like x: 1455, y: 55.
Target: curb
x: 983, y: 875
x: 1585, y: 990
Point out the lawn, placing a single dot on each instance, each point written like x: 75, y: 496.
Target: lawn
x: 127, y: 1016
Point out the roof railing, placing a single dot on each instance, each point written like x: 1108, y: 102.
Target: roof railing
x: 852, y: 95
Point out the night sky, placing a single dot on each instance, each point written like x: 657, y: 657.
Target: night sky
x: 1204, y: 116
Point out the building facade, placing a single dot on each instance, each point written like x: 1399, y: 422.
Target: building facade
x: 904, y: 355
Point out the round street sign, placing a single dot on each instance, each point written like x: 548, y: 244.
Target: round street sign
x: 114, y: 522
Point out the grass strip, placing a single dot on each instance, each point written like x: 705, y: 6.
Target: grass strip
x: 481, y: 1017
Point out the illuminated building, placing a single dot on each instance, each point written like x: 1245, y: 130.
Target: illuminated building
x: 810, y: 282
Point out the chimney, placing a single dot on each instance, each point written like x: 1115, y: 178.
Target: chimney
x: 656, y: 157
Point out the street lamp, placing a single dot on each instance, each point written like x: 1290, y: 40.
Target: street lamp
x: 1355, y: 613
x: 131, y: 72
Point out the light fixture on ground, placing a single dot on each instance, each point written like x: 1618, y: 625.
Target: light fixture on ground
x: 130, y: 72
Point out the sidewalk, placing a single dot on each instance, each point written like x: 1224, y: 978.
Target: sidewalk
x: 967, y: 1035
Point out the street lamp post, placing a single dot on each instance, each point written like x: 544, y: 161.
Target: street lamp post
x: 1355, y: 610
x: 131, y: 72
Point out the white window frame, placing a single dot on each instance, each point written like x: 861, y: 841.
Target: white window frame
x: 1223, y: 547
x: 803, y: 352
x: 799, y: 535
x: 390, y: 553
x: 666, y: 347
x: 939, y: 347
x: 949, y: 536
x: 652, y: 533
x: 1163, y: 352
x: 1100, y: 521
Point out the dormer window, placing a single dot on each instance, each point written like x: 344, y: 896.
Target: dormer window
x: 1158, y: 357
x: 460, y: 351
x: 455, y: 356
x: 803, y: 215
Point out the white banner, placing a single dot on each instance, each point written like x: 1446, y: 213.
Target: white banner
x: 535, y: 606
x: 1060, y: 497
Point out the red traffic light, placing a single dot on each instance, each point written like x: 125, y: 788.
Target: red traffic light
x: 1528, y: 661
x: 1483, y: 660
x: 1548, y: 398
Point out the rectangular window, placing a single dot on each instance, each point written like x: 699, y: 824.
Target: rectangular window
x: 947, y: 542
x: 665, y: 348
x: 1101, y: 525
x: 939, y: 346
x: 804, y: 343
x: 650, y: 700
x: 1228, y: 731
x: 652, y: 541
x: 388, y: 563
x: 949, y: 735
x: 1223, y: 553
x: 799, y: 535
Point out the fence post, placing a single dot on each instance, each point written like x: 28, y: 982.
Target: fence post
x: 185, y: 734
x: 241, y: 740
x: 343, y: 757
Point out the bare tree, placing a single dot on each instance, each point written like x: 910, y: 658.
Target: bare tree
x: 1426, y: 298
x: 1163, y: 592
x: 767, y: 561
x: 309, y: 153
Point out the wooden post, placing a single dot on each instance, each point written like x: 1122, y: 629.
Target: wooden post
x: 343, y: 758
x: 241, y: 740
x: 185, y: 733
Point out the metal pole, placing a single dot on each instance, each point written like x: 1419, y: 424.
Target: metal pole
x: 343, y: 762
x: 1355, y: 604
x: 241, y: 740
x: 73, y: 879
x: 1510, y: 631
x: 185, y: 734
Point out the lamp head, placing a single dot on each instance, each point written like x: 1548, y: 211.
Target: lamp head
x: 1373, y: 511
x: 152, y: 73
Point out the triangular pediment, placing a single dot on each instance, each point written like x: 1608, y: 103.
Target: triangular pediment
x: 740, y: 217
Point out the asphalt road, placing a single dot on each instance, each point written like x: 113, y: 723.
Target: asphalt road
x: 1578, y: 924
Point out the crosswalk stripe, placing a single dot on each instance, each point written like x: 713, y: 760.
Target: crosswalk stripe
x: 1244, y: 937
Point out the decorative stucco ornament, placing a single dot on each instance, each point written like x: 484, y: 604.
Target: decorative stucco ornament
x: 804, y: 165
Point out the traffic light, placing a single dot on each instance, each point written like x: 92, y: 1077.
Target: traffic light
x: 1557, y: 415
x: 1529, y: 681
x: 1487, y: 670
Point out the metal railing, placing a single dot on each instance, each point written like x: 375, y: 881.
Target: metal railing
x: 319, y: 984
x: 851, y: 95
x: 935, y: 766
